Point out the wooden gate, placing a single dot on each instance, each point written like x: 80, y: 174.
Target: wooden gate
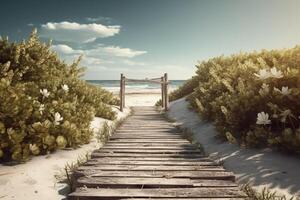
x: 163, y: 81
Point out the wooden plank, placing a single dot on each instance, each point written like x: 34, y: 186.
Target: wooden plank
x: 151, y: 163
x: 158, y: 155
x: 144, y: 137
x: 157, y: 134
x: 141, y: 129
x: 150, y: 140
x: 129, y: 182
x: 147, y: 121
x: 144, y: 125
x: 152, y: 151
x: 151, y: 158
x: 201, y: 174
x: 150, y: 124
x: 158, y: 192
x: 149, y: 167
x: 175, y: 198
x: 148, y: 131
x: 112, y: 148
x: 173, y: 145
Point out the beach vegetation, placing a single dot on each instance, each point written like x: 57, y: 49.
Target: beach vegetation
x: 44, y: 103
x: 251, y: 97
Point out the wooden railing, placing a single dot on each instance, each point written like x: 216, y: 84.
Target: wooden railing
x: 163, y: 81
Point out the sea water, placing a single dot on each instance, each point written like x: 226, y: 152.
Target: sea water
x: 135, y: 87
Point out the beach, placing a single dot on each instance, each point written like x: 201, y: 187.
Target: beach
x: 26, y: 180
x: 137, y: 93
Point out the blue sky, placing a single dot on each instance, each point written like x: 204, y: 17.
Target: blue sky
x: 145, y: 38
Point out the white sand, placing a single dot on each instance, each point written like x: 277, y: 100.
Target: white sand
x: 262, y: 168
x: 35, y: 180
x: 141, y: 99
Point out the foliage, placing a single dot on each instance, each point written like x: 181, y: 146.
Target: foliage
x: 265, y: 194
x: 44, y: 105
x: 252, y: 97
x: 67, y: 174
x: 185, y: 89
x: 158, y: 103
x: 104, y: 133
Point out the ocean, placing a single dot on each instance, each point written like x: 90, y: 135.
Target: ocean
x: 135, y: 87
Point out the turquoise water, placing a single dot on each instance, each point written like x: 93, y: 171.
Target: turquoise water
x: 114, y: 85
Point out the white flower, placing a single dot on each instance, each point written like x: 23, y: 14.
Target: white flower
x: 65, y: 87
x: 57, y: 118
x: 34, y: 149
x: 285, y: 114
x: 264, y: 89
x: 275, y: 73
x: 263, y: 74
x: 42, y: 108
x: 45, y: 92
x: 284, y: 90
x: 263, y: 118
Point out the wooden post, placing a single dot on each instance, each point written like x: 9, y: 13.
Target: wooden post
x: 162, y: 92
x: 166, y: 92
x: 124, y: 91
x: 121, y: 93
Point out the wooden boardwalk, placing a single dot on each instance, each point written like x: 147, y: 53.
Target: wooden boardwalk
x: 146, y: 158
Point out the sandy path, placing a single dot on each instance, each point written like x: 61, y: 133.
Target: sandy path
x: 259, y: 167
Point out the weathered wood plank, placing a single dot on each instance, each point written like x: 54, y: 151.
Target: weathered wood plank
x: 148, y: 145
x: 145, y: 136
x: 152, y: 151
x: 143, y: 129
x: 115, y: 137
x: 158, y: 192
x: 129, y: 182
x: 142, y: 155
x: 112, y: 148
x: 162, y: 159
x: 203, y: 174
x: 151, y: 163
x: 141, y: 133
x: 166, y: 141
x: 150, y: 167
x: 174, y: 131
x: 175, y: 198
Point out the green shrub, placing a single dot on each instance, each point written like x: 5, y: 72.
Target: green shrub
x: 185, y: 89
x: 44, y: 105
x: 253, y: 97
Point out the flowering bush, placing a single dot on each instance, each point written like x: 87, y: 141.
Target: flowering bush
x: 43, y: 103
x: 252, y: 97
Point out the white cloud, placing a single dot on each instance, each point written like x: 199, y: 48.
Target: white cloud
x: 98, y: 51
x: 75, y: 32
x: 65, y: 49
x: 122, y: 52
x: 98, y: 56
